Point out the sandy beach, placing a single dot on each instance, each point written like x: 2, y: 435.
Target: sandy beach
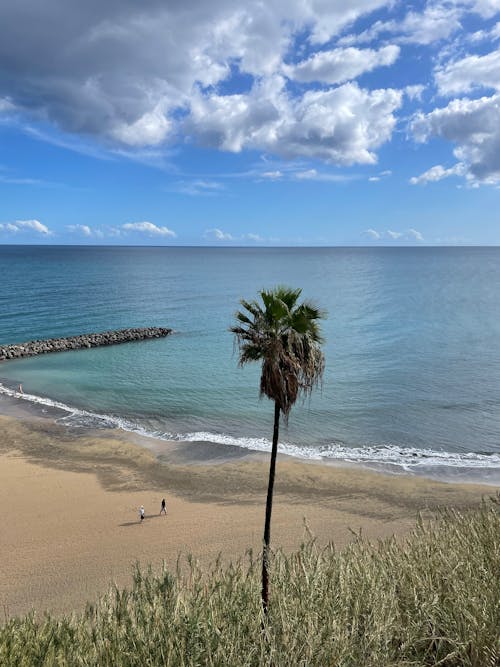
x: 70, y: 508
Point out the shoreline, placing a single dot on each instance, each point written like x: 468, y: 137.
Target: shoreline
x: 71, y: 502
x: 473, y: 468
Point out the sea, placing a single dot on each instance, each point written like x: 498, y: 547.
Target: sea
x: 412, y: 347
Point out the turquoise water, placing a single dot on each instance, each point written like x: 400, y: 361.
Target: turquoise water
x: 412, y: 346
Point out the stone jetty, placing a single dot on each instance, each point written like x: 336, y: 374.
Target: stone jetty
x: 35, y: 347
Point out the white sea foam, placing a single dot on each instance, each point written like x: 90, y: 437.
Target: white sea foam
x: 74, y: 416
x: 406, y: 458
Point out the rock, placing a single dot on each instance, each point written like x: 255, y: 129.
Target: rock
x: 34, y: 347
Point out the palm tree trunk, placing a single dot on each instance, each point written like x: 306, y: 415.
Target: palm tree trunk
x: 269, y: 509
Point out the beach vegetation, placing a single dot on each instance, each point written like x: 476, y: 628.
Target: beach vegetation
x: 285, y: 336
x: 431, y: 598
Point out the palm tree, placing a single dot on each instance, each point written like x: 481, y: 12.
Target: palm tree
x: 286, y: 337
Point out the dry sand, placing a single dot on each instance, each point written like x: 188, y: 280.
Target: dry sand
x: 70, y: 504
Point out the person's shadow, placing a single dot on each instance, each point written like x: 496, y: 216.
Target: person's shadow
x: 138, y: 521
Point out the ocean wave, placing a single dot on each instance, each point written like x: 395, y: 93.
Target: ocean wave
x: 74, y: 416
x: 406, y: 458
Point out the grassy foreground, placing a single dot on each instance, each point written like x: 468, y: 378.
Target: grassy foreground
x: 432, y: 599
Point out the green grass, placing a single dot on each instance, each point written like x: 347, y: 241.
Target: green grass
x: 430, y: 600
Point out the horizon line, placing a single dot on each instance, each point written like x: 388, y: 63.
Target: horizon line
x: 253, y: 247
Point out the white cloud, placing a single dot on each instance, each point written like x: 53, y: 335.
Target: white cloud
x: 23, y: 225
x: 378, y: 177
x: 330, y: 17
x: 462, y: 76
x: 272, y: 175
x: 218, y: 235
x: 478, y: 36
x: 148, y: 228
x: 35, y: 225
x: 343, y: 125
x: 492, y: 34
x: 474, y: 127
x: 82, y: 229
x: 197, y: 187
x: 233, y: 122
x: 413, y: 233
x: 314, y: 175
x: 410, y: 235
x: 68, y: 142
x: 437, y: 173
x: 340, y: 65
x: 14, y: 180
x: 148, y: 130
x: 436, y: 22
x: 485, y: 8
x: 414, y: 92
x: 307, y: 175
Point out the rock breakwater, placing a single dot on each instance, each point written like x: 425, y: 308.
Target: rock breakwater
x: 34, y: 347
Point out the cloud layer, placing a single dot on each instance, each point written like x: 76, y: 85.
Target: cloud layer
x: 126, y: 72
x: 296, y: 79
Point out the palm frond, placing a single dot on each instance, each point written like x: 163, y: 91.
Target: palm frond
x: 242, y: 317
x: 288, y: 295
x: 252, y: 306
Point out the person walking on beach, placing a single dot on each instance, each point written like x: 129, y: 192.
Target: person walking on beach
x: 141, y: 513
x: 163, y: 507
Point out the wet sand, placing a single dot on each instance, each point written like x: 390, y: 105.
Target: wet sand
x: 70, y: 504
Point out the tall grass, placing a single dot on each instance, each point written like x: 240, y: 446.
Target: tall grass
x: 430, y: 600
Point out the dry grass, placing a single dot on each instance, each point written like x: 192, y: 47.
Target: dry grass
x: 430, y: 600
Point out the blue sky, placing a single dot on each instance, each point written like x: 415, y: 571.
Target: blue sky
x: 236, y: 122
